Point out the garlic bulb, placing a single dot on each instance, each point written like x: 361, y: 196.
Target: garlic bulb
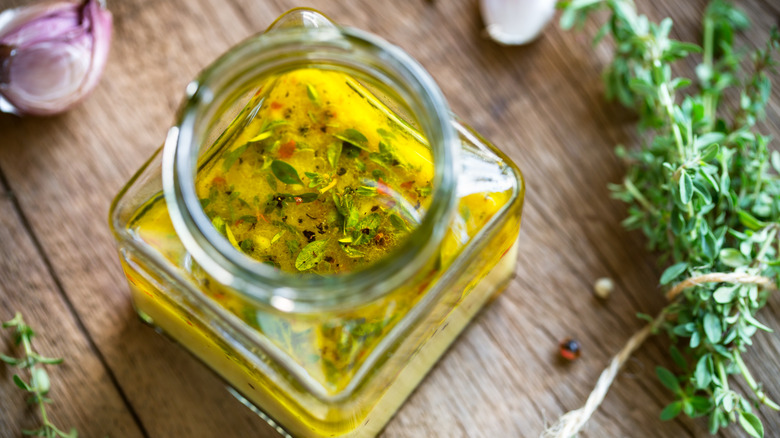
x: 51, y: 55
x: 514, y: 22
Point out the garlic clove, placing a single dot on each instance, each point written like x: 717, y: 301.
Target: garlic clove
x: 515, y: 22
x: 51, y: 55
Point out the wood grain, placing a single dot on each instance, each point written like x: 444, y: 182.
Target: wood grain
x: 85, y: 393
x: 542, y: 104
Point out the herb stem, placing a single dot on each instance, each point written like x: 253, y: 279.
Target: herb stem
x: 639, y: 197
x: 38, y: 385
x: 724, y: 381
x: 760, y: 394
x: 709, y: 99
x: 768, y: 244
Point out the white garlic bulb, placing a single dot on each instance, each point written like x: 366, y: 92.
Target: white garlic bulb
x: 514, y: 22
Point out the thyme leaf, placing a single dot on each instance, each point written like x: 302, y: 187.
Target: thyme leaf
x: 353, y: 137
x: 310, y: 255
x: 285, y: 172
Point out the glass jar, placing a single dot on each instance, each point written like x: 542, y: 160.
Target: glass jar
x: 316, y: 349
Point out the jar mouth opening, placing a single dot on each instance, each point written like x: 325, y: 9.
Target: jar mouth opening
x: 347, y: 50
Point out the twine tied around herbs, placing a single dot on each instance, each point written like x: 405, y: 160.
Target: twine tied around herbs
x: 572, y: 422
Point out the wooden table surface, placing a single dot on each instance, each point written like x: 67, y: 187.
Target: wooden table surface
x: 542, y: 104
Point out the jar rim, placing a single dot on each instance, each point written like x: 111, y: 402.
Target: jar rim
x: 350, y: 49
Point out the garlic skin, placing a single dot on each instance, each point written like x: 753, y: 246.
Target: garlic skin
x: 51, y: 55
x: 515, y: 22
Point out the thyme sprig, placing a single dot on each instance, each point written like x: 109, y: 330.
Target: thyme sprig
x: 39, y: 384
x: 704, y: 189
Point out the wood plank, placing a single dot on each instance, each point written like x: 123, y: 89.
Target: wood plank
x: 83, y: 392
x: 542, y: 104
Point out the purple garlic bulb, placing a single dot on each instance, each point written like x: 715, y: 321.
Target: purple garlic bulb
x: 51, y: 55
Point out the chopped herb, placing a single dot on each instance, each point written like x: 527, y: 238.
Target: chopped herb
x: 269, y: 177
x: 285, y: 173
x: 219, y: 224
x: 385, y: 133
x: 270, y: 125
x: 248, y: 218
x: 310, y: 255
x: 353, y: 137
x: 278, y: 236
x: 247, y: 245
x: 232, y: 156
x: 361, y: 166
x: 260, y: 137
x: 366, y: 191
x: 313, y: 96
x: 350, y: 151
x: 292, y: 246
x: 317, y: 179
x: 398, y: 223
x: 352, y: 252
x: 230, y: 236
x: 271, y: 262
x: 334, y: 152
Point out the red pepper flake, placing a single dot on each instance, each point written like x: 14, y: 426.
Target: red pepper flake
x: 298, y: 200
x: 189, y: 323
x: 286, y: 150
x: 261, y: 217
x: 276, y: 105
x: 407, y: 185
x: 218, y: 181
x: 382, y: 188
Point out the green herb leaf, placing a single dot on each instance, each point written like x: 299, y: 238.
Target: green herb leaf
x: 724, y: 294
x: 671, y: 411
x: 313, y: 96
x: 293, y: 246
x: 40, y: 380
x: 703, y: 374
x: 668, y: 379
x: 353, y: 137
x: 269, y: 177
x: 230, y: 157
x: 310, y: 255
x: 673, y: 272
x: 21, y: 383
x: 398, y: 223
x: 733, y: 258
x: 334, y: 152
x: 686, y: 188
x: 712, y: 328
x: 285, y: 172
x: 751, y: 424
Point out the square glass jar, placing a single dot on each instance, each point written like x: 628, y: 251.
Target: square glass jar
x: 318, y: 355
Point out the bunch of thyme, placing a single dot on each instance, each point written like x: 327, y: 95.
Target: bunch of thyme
x: 704, y: 189
x: 39, y: 384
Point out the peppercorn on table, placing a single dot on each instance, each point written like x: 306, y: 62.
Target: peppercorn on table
x: 541, y: 104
